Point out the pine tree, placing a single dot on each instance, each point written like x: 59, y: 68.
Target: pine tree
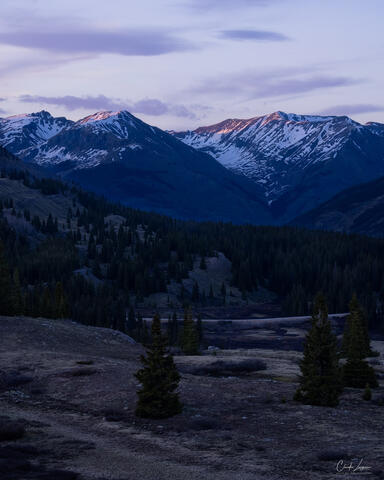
x: 16, y: 296
x: 211, y: 295
x: 195, y: 292
x: 131, y: 324
x: 356, y: 321
x: 45, y: 309
x: 199, y: 328
x: 356, y: 371
x: 367, y: 395
x: 223, y: 290
x: 173, y: 329
x: 159, y: 379
x: 189, y: 338
x: 6, y: 304
x: 203, y: 264
x: 60, y: 309
x: 320, y: 381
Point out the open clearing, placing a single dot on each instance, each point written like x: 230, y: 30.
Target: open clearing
x: 73, y: 389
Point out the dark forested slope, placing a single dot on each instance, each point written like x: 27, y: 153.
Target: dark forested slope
x: 100, y: 259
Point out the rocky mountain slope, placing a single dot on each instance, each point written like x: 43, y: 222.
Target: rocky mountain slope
x: 123, y: 158
x: 358, y: 209
x: 298, y: 160
x: 19, y: 133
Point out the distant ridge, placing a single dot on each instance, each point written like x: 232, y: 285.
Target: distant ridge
x: 123, y: 158
x: 299, y: 161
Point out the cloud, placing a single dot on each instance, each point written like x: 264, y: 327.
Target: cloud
x: 256, y: 35
x: 2, y: 111
x: 143, y: 42
x: 71, y: 102
x: 228, y: 4
x: 150, y: 106
x: 38, y: 63
x: 272, y: 83
x: 352, y: 109
x: 146, y: 106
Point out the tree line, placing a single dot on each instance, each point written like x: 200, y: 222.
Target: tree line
x: 106, y: 269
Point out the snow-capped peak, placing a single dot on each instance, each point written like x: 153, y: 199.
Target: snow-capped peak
x: 293, y: 117
x: 266, y: 148
x: 30, y: 129
x: 120, y: 123
x: 103, y: 115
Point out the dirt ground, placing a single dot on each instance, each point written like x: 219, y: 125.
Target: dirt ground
x: 73, y: 389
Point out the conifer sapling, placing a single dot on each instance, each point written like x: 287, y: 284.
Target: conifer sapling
x: 159, y: 379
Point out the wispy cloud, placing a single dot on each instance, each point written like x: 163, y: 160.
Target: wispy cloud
x: 146, y: 106
x: 2, y: 111
x: 141, y: 42
x: 37, y: 63
x: 352, y: 109
x: 272, y: 83
x: 255, y: 35
x: 228, y: 4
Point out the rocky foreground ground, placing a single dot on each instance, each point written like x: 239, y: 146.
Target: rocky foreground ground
x: 67, y: 398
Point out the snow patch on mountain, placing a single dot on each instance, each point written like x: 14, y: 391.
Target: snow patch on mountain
x: 268, y: 148
x: 118, y: 123
x: 20, y: 132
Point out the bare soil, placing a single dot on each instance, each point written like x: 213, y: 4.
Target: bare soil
x: 72, y: 388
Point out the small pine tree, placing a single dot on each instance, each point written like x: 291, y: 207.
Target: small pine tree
x: 199, y: 328
x: 173, y: 333
x: 356, y: 371
x: 16, y: 296
x: 6, y: 304
x: 320, y: 382
x: 131, y: 321
x: 159, y: 379
x: 357, y: 322
x: 367, y: 395
x: 203, y: 264
x: 195, y: 292
x: 189, y: 338
x: 60, y: 306
x: 45, y: 309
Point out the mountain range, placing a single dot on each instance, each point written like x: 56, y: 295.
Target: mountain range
x: 269, y: 169
x: 119, y: 156
x: 299, y: 161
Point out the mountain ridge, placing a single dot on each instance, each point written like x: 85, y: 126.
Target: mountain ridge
x: 358, y: 209
x: 289, y: 154
x: 123, y: 158
x: 266, y: 169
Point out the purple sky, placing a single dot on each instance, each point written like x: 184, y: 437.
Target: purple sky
x: 180, y: 64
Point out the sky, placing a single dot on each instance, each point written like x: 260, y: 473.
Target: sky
x: 180, y: 64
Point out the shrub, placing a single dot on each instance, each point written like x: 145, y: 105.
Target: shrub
x: 227, y: 367
x: 14, y: 380
x: 202, y: 423
x: 114, y: 415
x: 367, y: 395
x: 11, y: 431
x: 333, y: 455
x: 81, y: 372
